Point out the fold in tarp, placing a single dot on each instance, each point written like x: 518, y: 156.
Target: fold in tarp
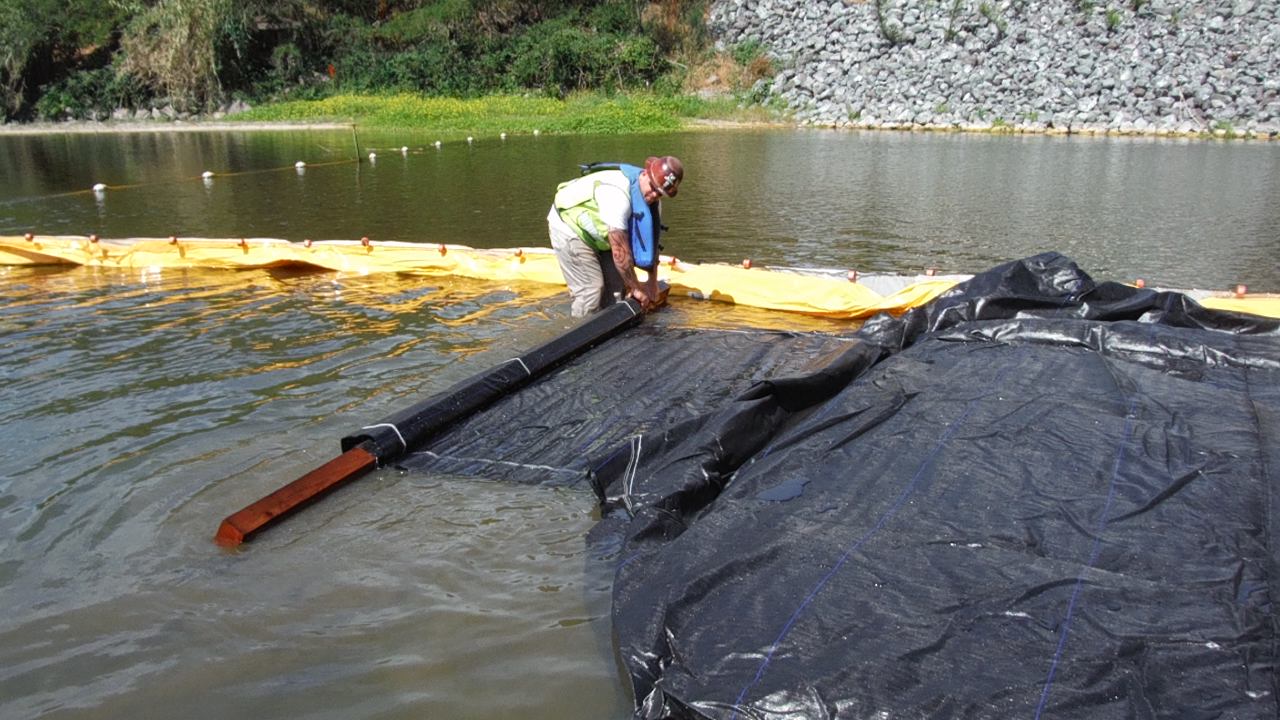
x: 653, y: 377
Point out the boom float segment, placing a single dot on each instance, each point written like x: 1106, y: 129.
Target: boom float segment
x: 818, y: 296
x: 790, y: 292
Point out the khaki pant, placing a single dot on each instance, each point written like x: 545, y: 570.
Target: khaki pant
x: 592, y: 277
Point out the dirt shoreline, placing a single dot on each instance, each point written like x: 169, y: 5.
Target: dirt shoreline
x: 82, y: 127
x: 142, y: 126
x: 90, y: 127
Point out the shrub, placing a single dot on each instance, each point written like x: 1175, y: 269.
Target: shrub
x: 195, y: 53
x: 44, y: 41
x: 19, y: 33
x: 745, y: 52
x: 676, y: 25
x: 430, y: 69
x: 179, y: 47
x: 89, y: 92
x: 615, y: 16
x: 435, y: 22
x: 560, y: 57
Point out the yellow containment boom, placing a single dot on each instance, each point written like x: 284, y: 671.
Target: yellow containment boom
x: 815, y: 295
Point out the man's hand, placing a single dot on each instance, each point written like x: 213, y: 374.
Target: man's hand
x: 641, y: 296
x: 651, y: 294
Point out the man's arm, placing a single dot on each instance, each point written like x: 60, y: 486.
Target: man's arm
x: 620, y: 243
x: 657, y: 295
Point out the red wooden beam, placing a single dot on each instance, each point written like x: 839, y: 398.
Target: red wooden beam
x: 241, y: 525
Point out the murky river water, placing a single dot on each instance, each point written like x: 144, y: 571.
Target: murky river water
x: 140, y: 407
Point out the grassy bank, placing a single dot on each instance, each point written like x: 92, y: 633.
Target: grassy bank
x: 576, y: 114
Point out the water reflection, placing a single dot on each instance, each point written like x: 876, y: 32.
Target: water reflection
x: 139, y: 406
x: 1176, y: 212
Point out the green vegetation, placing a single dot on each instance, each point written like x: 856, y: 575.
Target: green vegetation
x: 992, y: 14
x: 1114, y: 19
x: 891, y: 32
x: 952, y: 14
x: 383, y: 62
x: 39, y: 34
x: 492, y: 114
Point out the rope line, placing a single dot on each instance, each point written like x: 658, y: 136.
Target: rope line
x: 132, y: 186
x: 527, y: 371
x: 629, y: 477
x: 507, y: 463
x: 403, y: 444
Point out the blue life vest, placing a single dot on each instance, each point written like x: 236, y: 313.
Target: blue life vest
x: 646, y: 223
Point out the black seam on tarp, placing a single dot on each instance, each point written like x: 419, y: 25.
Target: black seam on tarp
x: 884, y: 519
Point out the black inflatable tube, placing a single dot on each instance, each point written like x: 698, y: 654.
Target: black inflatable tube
x: 410, y: 427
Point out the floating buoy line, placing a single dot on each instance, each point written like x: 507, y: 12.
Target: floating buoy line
x: 831, y: 293
x: 100, y: 189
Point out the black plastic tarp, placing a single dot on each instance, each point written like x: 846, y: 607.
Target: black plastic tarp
x: 654, y: 377
x: 1037, y: 496
x: 1048, y: 498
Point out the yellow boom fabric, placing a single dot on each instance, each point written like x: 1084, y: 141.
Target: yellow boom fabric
x: 790, y: 292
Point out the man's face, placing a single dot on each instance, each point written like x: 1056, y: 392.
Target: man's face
x: 649, y: 188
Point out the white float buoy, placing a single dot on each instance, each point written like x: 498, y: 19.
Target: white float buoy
x: 299, y: 164
x: 469, y: 139
x: 437, y: 144
x: 536, y: 132
x: 503, y: 136
x: 99, y: 187
x: 206, y: 174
